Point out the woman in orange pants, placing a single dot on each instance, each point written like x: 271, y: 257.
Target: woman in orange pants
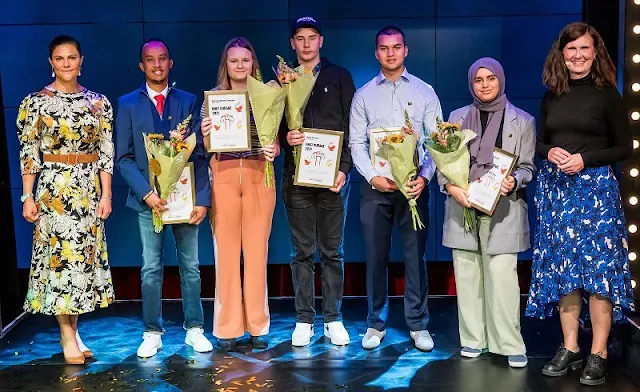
x: 241, y: 214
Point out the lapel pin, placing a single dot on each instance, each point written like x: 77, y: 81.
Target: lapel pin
x: 510, y: 135
x: 169, y: 118
x: 410, y: 103
x: 326, y: 90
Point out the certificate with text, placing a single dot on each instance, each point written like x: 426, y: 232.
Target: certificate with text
x: 181, y: 201
x: 319, y: 158
x: 231, y: 120
x: 484, y: 193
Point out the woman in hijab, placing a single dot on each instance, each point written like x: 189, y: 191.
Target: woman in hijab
x: 485, y: 259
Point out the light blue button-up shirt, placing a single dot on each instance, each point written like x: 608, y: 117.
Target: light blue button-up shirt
x: 381, y: 103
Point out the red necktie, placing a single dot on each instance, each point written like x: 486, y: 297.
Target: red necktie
x: 159, y: 103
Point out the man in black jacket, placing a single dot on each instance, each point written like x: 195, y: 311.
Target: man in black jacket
x: 317, y: 215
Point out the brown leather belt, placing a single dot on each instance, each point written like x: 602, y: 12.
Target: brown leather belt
x: 70, y: 159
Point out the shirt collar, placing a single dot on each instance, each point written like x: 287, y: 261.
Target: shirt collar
x: 152, y: 93
x: 381, y: 78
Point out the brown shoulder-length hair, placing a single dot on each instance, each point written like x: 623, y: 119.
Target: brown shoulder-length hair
x: 555, y: 75
x: 224, y: 83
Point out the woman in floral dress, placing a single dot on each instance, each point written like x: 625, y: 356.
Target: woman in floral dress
x: 65, y: 137
x: 580, y: 244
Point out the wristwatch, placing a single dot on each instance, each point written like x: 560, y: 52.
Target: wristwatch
x: 24, y: 197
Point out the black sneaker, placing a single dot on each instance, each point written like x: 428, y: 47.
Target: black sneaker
x: 562, y: 362
x: 259, y: 342
x: 227, y: 344
x: 595, y: 371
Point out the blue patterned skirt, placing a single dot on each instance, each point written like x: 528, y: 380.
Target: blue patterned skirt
x: 580, y: 240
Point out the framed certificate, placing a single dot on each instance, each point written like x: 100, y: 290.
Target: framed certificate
x: 375, y: 141
x: 230, y: 114
x: 484, y: 193
x: 180, y: 203
x: 318, y: 158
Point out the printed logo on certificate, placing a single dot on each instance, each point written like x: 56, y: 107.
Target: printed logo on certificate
x: 484, y: 193
x: 375, y: 141
x: 318, y: 158
x: 231, y: 120
x: 181, y: 201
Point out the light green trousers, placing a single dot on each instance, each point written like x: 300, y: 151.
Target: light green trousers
x: 488, y: 297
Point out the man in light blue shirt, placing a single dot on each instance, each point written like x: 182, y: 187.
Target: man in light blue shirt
x: 382, y: 103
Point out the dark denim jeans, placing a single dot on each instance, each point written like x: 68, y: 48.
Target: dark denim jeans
x: 316, y: 219
x: 186, y: 237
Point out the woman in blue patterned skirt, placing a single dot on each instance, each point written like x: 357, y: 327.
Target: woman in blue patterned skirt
x: 580, y: 242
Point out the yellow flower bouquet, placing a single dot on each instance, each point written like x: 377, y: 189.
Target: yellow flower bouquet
x: 399, y: 149
x: 167, y: 159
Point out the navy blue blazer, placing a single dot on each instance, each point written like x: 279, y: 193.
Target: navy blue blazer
x: 134, y: 118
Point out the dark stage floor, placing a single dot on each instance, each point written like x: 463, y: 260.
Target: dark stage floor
x: 31, y: 359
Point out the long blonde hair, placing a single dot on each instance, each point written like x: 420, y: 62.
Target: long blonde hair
x: 224, y: 82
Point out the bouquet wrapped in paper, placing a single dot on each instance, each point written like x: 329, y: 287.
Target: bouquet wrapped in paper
x: 447, y: 146
x: 267, y: 105
x: 167, y: 159
x: 399, y: 149
x: 298, y: 83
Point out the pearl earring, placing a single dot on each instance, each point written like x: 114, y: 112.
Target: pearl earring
x: 80, y: 72
x: 53, y: 74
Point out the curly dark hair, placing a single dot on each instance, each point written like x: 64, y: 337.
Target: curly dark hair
x: 555, y: 75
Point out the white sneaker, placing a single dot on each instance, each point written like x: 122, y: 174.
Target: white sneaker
x: 337, y: 333
x: 195, y: 338
x: 151, y: 343
x: 302, y: 335
x: 372, y: 338
x: 422, y: 340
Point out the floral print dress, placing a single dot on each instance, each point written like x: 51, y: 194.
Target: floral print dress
x: 69, y: 269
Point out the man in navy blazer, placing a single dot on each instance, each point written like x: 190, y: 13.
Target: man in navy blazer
x: 157, y: 108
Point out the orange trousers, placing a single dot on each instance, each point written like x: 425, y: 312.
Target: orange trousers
x: 242, y: 207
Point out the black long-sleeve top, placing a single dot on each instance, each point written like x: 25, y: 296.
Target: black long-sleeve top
x: 587, y: 120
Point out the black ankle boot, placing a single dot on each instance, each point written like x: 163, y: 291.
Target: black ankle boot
x: 595, y: 371
x: 227, y: 344
x: 562, y: 362
x: 259, y: 342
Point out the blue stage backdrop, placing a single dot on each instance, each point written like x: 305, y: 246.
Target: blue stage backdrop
x: 444, y: 38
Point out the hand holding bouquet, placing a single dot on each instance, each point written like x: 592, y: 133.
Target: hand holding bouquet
x: 167, y: 159
x: 447, y: 146
x: 399, y: 149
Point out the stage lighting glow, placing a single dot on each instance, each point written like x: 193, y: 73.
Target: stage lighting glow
x: 632, y: 256
x: 633, y: 284
x: 636, y: 58
x: 633, y: 200
x: 637, y: 2
x: 636, y: 29
x: 633, y: 229
x: 636, y: 143
x: 634, y: 172
x: 635, y: 87
x: 635, y: 116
